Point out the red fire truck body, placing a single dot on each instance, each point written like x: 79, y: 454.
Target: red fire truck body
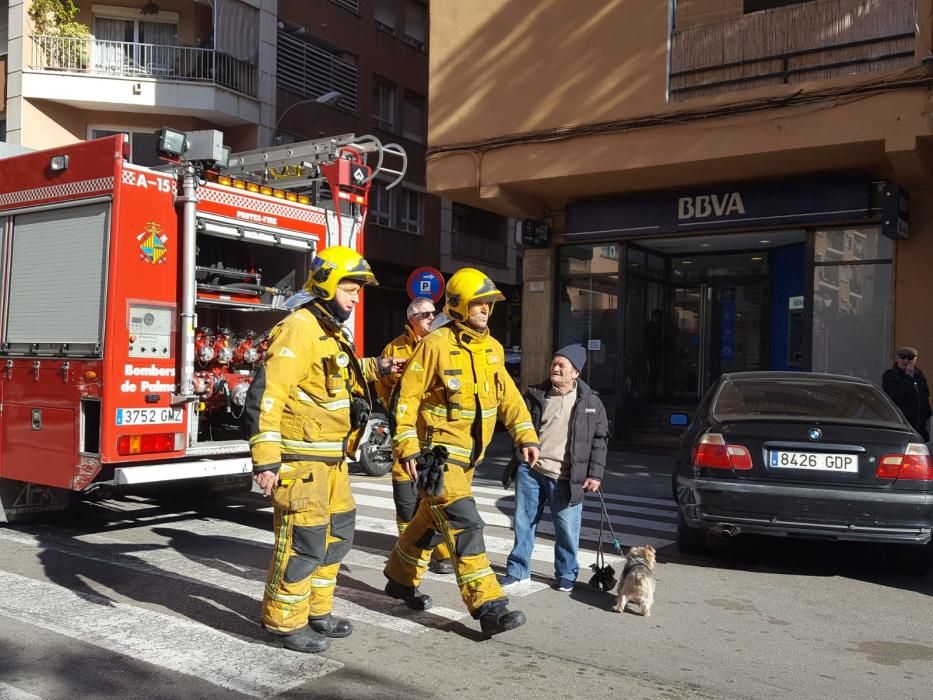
x: 95, y: 344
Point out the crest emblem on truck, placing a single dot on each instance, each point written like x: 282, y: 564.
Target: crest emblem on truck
x: 152, y: 244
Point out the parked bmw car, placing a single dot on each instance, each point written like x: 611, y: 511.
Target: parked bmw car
x: 807, y: 455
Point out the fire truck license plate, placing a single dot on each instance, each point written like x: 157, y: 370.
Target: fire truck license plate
x: 148, y: 416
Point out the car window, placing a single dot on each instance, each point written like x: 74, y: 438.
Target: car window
x: 801, y: 398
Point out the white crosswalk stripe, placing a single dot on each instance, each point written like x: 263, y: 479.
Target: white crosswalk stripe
x: 163, y: 640
x: 9, y: 692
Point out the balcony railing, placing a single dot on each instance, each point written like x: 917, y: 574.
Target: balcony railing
x: 793, y: 44
x: 121, y: 59
x: 481, y: 249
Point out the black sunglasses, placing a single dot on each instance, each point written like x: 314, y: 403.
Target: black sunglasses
x: 907, y: 357
x: 424, y: 314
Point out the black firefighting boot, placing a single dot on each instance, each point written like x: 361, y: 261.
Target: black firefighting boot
x: 441, y: 566
x: 330, y: 626
x: 305, y: 640
x: 495, y: 617
x: 414, y: 599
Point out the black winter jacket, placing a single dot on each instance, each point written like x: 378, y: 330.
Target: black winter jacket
x: 587, y: 443
x: 912, y: 396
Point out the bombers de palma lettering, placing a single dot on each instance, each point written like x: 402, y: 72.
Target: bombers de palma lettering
x: 156, y: 386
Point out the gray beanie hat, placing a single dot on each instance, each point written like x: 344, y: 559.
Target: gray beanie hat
x: 575, y: 353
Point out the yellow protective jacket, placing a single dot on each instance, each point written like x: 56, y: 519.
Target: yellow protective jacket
x: 454, y: 387
x: 298, y: 406
x: 403, y: 346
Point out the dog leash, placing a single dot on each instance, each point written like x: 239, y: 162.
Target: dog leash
x: 604, y: 518
x: 603, y: 574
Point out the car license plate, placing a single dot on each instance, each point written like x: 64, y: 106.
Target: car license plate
x: 820, y: 461
x: 148, y: 416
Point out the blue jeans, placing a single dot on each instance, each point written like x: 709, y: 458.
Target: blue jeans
x: 532, y: 491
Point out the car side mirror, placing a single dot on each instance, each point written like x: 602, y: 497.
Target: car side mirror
x: 680, y: 419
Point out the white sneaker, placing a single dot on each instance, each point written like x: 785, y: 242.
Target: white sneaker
x: 506, y: 581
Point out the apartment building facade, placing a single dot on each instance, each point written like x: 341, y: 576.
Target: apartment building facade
x: 263, y: 72
x: 374, y: 53
x: 732, y: 184
x: 138, y: 66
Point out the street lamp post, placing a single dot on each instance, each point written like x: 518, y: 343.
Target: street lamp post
x: 328, y: 98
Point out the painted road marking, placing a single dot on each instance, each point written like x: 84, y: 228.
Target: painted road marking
x: 162, y: 640
x: 9, y: 692
x: 360, y: 606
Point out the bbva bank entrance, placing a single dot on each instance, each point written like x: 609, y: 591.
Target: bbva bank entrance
x: 669, y: 290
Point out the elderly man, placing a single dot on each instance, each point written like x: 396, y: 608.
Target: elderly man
x: 907, y: 386
x: 421, y: 314
x: 571, y: 421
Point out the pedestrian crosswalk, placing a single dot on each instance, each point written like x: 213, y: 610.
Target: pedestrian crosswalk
x: 231, y: 660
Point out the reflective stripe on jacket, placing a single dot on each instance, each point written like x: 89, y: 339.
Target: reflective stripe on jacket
x: 298, y: 405
x: 454, y: 387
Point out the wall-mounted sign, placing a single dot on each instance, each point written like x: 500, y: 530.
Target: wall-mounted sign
x: 894, y: 207
x: 795, y: 303
x: 787, y: 203
x: 534, y: 233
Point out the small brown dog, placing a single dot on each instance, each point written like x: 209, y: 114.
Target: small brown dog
x: 636, y: 585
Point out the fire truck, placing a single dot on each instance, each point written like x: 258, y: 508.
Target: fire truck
x: 135, y: 301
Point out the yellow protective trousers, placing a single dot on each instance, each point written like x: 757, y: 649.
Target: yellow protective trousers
x: 405, y: 495
x: 453, y: 519
x: 314, y: 519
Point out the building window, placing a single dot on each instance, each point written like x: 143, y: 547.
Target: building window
x: 311, y: 71
x: 143, y: 144
x: 413, y: 117
x: 757, y: 5
x: 352, y: 5
x: 380, y: 205
x: 416, y: 19
x: 853, y: 286
x: 589, y: 313
x: 383, y: 103
x: 410, y: 211
x: 384, y: 16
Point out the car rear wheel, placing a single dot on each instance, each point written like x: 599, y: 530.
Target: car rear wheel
x: 912, y: 558
x: 690, y: 540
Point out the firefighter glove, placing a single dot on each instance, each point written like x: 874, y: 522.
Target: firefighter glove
x: 359, y: 412
x: 431, y: 470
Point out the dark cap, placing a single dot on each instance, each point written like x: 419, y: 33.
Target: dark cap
x: 575, y: 353
x: 907, y: 352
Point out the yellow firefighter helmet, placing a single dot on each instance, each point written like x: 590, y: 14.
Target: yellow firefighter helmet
x: 467, y: 285
x: 333, y: 265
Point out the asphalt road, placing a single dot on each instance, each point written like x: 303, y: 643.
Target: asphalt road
x: 147, y: 598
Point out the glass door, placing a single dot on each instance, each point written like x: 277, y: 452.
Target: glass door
x: 687, y: 319
x: 717, y: 329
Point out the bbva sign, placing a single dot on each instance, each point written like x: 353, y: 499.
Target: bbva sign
x: 705, y: 205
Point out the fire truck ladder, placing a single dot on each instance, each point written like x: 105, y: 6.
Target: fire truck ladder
x: 297, y: 166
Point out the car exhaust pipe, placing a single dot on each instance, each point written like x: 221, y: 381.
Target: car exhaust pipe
x: 729, y: 531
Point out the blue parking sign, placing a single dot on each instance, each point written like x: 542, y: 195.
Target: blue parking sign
x: 426, y: 283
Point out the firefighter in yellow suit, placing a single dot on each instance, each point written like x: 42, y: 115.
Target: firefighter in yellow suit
x: 304, y: 413
x: 419, y: 316
x: 454, y: 387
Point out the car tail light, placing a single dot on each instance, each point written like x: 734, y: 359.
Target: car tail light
x: 153, y: 442
x: 914, y: 464
x: 712, y: 451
